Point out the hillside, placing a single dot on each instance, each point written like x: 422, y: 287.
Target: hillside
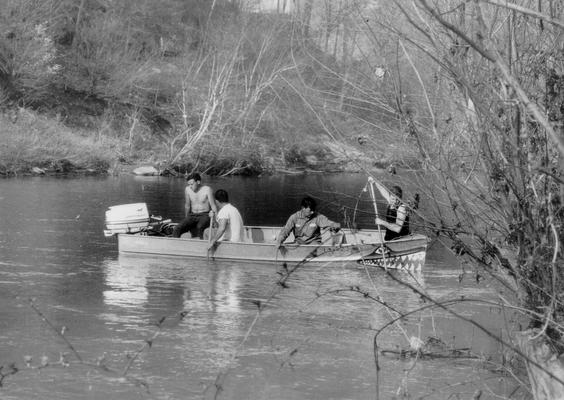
x: 246, y: 94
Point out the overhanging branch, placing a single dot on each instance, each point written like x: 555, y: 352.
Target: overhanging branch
x: 526, y: 11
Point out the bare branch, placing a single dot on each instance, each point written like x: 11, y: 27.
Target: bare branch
x: 505, y: 71
x: 526, y: 11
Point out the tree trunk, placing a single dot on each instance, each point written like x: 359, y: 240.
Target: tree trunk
x: 75, y: 38
x: 308, y: 7
x: 544, y: 367
x: 7, y: 90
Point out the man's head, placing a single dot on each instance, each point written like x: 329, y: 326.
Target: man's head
x: 396, y: 191
x: 309, y: 205
x: 194, y: 181
x: 396, y: 195
x: 221, y: 196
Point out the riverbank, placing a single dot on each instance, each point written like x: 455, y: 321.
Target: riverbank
x: 32, y: 144
x: 37, y: 144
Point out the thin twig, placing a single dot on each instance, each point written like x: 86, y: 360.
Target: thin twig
x: 54, y: 329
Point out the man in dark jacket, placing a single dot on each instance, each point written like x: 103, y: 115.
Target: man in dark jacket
x: 306, y: 224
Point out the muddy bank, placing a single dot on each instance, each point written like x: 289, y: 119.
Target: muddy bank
x: 308, y: 164
x: 34, y: 143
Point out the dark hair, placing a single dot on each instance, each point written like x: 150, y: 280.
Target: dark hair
x: 194, y: 176
x: 308, y: 202
x: 397, y: 191
x: 221, y: 196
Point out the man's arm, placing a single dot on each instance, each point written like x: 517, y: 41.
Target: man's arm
x: 401, y: 215
x: 398, y: 224
x: 211, y: 200
x: 187, y: 204
x: 324, y: 222
x: 286, y: 230
x: 220, y: 231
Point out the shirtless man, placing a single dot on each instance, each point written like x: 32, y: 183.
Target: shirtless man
x: 200, y: 207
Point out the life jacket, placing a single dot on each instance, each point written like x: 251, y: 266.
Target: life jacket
x: 391, y: 216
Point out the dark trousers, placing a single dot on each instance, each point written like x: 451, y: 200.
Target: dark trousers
x: 194, y: 223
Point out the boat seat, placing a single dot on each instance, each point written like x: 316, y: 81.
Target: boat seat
x: 339, y: 238
x: 333, y: 238
x: 254, y: 235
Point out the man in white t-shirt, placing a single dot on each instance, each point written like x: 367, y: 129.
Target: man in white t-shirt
x: 229, y: 220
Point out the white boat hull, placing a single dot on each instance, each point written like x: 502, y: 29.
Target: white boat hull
x: 361, y: 246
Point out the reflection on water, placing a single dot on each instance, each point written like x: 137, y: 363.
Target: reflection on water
x: 126, y: 286
x: 142, y: 282
x: 312, y: 339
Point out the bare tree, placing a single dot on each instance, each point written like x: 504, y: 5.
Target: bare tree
x: 495, y: 152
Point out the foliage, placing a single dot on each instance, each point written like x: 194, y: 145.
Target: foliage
x: 27, y: 49
x: 478, y: 87
x: 495, y: 156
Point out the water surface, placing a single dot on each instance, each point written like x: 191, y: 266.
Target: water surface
x: 310, y: 340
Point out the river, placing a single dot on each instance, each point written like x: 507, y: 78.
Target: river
x: 310, y: 340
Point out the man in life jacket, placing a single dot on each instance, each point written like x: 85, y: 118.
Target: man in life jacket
x: 397, y: 216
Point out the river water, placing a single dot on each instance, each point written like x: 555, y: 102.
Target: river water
x: 311, y: 340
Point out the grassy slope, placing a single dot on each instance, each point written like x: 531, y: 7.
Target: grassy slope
x: 100, y: 127
x: 29, y: 139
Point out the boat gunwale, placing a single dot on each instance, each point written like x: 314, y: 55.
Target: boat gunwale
x: 407, y: 238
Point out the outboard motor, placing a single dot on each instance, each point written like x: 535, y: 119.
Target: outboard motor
x: 126, y: 218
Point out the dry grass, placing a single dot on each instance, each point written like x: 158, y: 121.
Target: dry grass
x: 30, y: 140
